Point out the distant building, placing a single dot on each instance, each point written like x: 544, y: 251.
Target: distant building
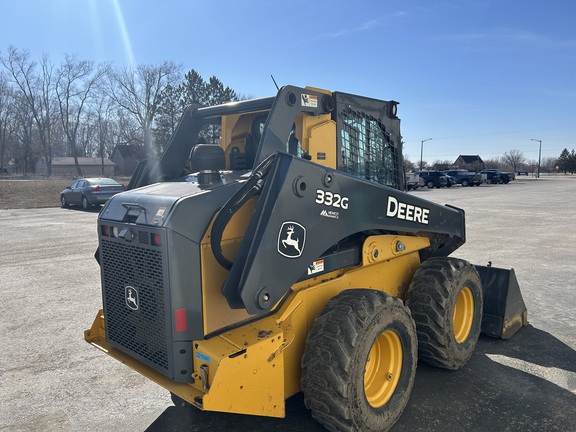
x: 470, y: 163
x: 90, y: 166
x: 127, y: 157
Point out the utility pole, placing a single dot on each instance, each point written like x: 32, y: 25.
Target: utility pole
x: 539, y: 156
x: 422, y: 150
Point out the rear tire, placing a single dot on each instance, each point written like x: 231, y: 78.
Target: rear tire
x: 446, y: 300
x: 85, y: 204
x: 359, y: 363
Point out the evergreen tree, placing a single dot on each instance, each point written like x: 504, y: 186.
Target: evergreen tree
x: 564, y: 161
x: 169, y: 112
x: 193, y: 90
x: 572, y: 163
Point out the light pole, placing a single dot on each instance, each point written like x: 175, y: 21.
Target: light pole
x: 539, y: 155
x: 422, y: 150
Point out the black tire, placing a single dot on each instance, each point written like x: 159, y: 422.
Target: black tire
x: 85, y: 204
x: 63, y: 202
x: 430, y: 184
x: 464, y: 183
x: 344, y: 391
x: 446, y: 339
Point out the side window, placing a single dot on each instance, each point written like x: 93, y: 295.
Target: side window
x: 74, y: 185
x: 294, y: 146
x: 366, y: 149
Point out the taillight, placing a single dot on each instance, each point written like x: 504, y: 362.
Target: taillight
x: 96, y: 189
x: 105, y: 230
x: 125, y: 188
x: 156, y: 239
x: 180, y: 320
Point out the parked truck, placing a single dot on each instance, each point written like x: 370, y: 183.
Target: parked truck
x: 465, y: 178
x: 496, y: 176
x: 414, y: 181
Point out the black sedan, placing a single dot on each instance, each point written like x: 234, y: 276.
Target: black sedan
x: 89, y: 192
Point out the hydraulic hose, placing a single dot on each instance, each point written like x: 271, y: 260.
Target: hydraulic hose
x: 252, y: 187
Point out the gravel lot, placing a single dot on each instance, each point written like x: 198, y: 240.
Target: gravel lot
x: 51, y: 380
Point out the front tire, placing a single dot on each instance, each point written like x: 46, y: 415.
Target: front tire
x: 430, y: 184
x: 446, y: 300
x: 464, y: 183
x: 359, y: 363
x: 63, y: 202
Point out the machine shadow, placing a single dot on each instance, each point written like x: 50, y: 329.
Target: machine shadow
x: 485, y: 395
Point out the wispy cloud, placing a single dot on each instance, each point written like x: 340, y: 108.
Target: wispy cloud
x: 507, y: 36
x: 366, y: 26
x: 378, y: 21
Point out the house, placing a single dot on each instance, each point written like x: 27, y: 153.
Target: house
x: 470, y: 163
x: 90, y: 166
x: 127, y: 157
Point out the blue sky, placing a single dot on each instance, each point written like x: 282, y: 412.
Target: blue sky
x: 478, y: 76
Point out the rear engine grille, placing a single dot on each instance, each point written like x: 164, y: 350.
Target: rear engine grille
x: 142, y: 332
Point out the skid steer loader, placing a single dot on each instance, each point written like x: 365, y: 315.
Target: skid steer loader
x: 286, y: 256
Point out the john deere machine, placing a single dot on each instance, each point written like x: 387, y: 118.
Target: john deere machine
x: 285, y: 256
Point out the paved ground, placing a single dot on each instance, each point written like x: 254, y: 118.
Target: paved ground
x: 51, y: 380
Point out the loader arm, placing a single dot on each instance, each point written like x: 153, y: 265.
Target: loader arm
x: 305, y: 209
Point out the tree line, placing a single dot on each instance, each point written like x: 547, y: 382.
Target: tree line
x: 513, y: 160
x: 79, y: 108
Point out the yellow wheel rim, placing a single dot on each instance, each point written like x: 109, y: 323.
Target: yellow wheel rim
x: 383, y: 368
x: 463, y: 314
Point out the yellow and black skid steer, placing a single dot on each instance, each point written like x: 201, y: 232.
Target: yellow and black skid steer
x: 286, y: 256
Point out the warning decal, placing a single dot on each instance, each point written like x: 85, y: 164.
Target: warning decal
x: 309, y: 100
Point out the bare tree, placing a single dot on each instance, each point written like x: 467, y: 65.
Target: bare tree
x: 109, y: 128
x: 514, y: 159
x: 24, y: 153
x: 493, y: 163
x: 548, y: 164
x: 441, y: 165
x: 37, y: 89
x: 408, y: 165
x: 126, y: 129
x: 138, y: 91
x: 6, y: 119
x: 75, y: 82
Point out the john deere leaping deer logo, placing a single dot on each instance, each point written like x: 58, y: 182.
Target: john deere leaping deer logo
x: 291, y: 239
x: 131, y: 296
